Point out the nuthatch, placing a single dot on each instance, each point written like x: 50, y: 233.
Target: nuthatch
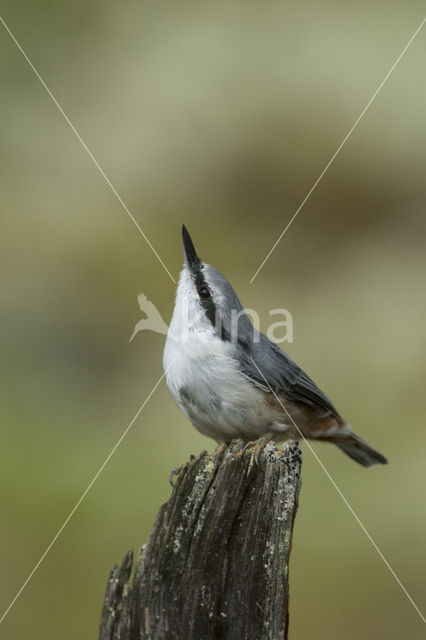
x: 232, y: 381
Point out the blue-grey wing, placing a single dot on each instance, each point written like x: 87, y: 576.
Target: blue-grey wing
x: 265, y: 358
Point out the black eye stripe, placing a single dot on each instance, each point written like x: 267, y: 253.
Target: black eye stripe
x: 202, y: 288
x: 204, y: 292
x: 205, y: 297
x: 208, y: 305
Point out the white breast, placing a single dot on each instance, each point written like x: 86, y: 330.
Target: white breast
x: 205, y: 379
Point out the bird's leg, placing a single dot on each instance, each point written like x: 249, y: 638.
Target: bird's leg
x: 257, y: 447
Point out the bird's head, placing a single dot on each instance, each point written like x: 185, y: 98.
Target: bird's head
x: 205, y: 301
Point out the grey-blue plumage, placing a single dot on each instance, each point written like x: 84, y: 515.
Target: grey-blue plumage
x: 232, y: 381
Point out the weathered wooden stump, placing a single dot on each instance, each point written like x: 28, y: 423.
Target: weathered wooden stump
x: 216, y: 563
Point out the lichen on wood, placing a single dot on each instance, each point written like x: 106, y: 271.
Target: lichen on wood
x: 216, y: 563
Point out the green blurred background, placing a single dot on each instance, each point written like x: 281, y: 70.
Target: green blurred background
x: 221, y: 116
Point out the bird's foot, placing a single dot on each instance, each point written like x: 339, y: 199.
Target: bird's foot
x: 258, y: 447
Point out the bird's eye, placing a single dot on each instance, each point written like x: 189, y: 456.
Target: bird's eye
x: 204, y: 293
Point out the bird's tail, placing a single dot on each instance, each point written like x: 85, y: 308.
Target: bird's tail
x: 358, y: 450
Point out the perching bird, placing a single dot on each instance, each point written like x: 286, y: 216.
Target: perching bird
x: 232, y: 381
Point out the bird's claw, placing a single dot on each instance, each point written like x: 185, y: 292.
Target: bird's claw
x: 258, y: 446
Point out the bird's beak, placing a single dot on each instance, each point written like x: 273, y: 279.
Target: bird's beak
x: 191, y: 258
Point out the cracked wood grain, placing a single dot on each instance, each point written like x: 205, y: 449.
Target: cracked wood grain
x: 216, y: 563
